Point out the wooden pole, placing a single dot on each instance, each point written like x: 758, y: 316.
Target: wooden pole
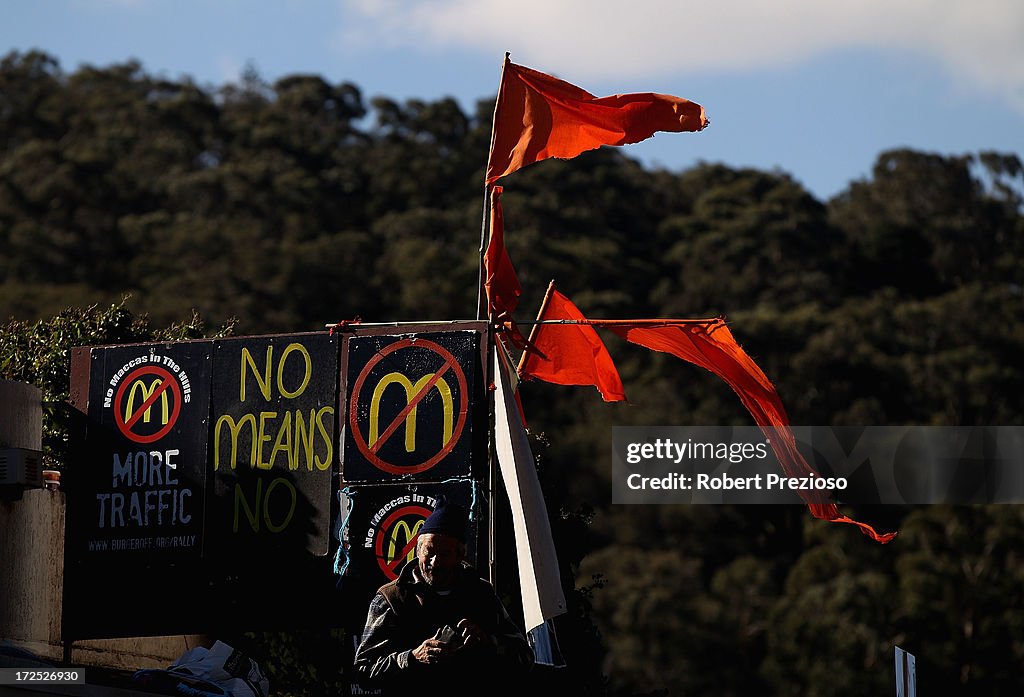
x: 540, y: 313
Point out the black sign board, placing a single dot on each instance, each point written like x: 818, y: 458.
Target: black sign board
x: 202, y: 468
x: 142, y: 488
x: 272, y: 444
x: 410, y: 406
x: 135, y: 489
x: 384, y: 521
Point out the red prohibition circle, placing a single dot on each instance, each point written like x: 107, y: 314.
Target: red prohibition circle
x: 385, y: 528
x: 125, y: 426
x: 353, y: 413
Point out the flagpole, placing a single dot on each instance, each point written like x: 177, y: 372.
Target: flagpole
x: 621, y: 322
x: 398, y: 323
x: 481, y: 301
x: 482, y: 310
x: 598, y: 322
x: 539, y: 321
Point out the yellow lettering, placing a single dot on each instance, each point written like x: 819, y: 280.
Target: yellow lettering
x: 266, y: 506
x: 263, y: 438
x: 284, y: 442
x: 394, y: 547
x: 306, y: 375
x: 250, y: 514
x: 235, y: 429
x: 261, y: 504
x: 411, y: 391
x: 304, y: 438
x: 146, y: 392
x: 263, y: 382
x: 326, y: 462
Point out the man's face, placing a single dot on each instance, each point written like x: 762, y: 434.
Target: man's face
x: 439, y: 557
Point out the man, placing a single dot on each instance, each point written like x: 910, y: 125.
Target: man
x: 438, y: 623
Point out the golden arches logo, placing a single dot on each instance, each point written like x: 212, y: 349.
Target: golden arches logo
x: 146, y: 393
x: 411, y: 390
x: 395, y: 547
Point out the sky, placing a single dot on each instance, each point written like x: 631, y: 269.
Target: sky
x: 814, y: 88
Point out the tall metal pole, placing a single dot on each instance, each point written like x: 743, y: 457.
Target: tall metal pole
x: 481, y: 300
x: 481, y: 312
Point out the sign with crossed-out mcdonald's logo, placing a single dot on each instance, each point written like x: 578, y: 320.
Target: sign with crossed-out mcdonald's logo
x: 411, y: 391
x: 147, y: 404
x: 409, y: 406
x: 384, y: 520
x: 142, y: 490
x: 396, y: 538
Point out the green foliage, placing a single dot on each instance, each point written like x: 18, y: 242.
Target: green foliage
x: 40, y: 353
x: 959, y: 587
x: 648, y: 588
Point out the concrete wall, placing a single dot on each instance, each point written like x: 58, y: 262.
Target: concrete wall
x: 21, y: 415
x: 32, y: 562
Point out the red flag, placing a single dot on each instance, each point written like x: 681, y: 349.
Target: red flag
x: 500, y: 283
x: 710, y: 344
x: 538, y: 116
x: 573, y: 354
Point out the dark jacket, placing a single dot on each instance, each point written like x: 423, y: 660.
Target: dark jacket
x: 407, y: 611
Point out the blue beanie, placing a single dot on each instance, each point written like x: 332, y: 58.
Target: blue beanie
x: 447, y: 519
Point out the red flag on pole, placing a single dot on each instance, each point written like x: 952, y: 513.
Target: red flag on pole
x: 538, y: 116
x: 501, y: 283
x: 576, y: 356
x: 710, y: 344
x: 573, y: 354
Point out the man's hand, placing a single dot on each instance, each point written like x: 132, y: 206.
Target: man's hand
x: 432, y: 651
x: 437, y: 648
x: 471, y: 632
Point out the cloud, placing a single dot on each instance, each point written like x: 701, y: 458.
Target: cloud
x: 980, y: 43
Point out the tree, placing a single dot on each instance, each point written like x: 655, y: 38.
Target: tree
x: 39, y: 353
